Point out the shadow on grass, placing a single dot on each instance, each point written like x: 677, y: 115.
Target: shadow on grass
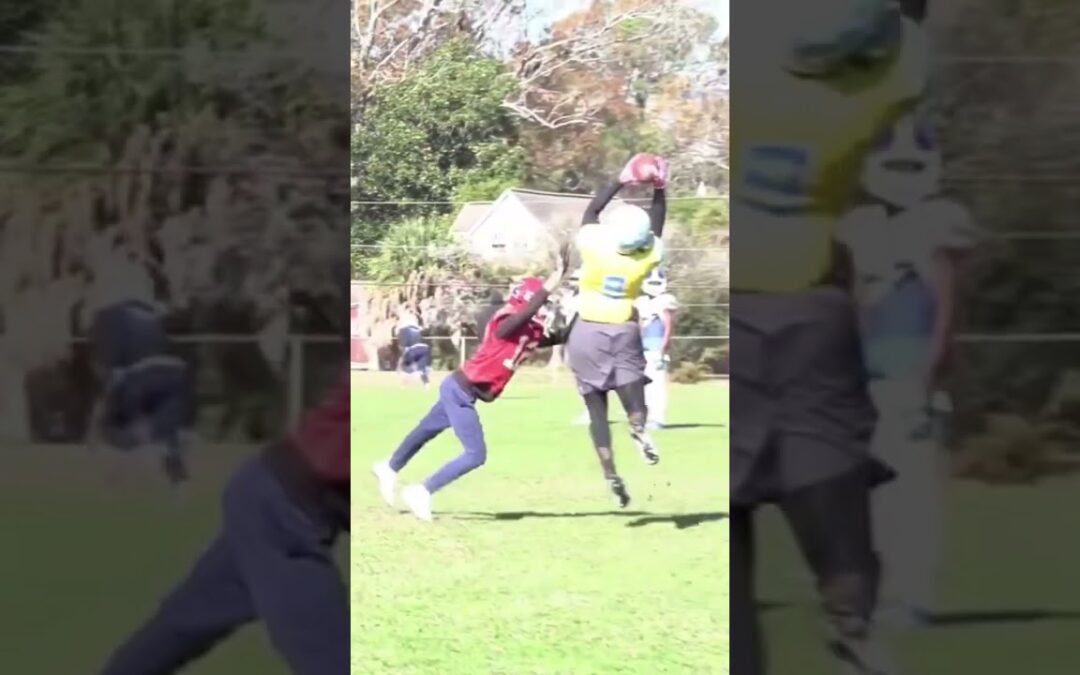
x: 667, y: 427
x: 642, y: 518
x: 970, y: 618
x: 960, y: 619
x: 524, y: 515
x: 681, y: 521
x: 675, y: 427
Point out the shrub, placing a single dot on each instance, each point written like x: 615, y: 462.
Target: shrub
x: 689, y: 372
x: 1015, y: 450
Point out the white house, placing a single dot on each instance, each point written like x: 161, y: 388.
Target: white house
x: 521, y: 226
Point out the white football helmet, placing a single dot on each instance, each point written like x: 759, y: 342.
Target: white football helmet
x: 655, y: 284
x: 822, y: 35
x: 906, y: 166
x: 631, y: 228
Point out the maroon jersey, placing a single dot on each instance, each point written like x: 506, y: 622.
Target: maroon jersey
x: 322, y: 436
x: 490, y: 369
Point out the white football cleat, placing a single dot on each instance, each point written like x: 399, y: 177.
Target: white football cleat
x: 583, y: 420
x: 418, y: 499
x: 387, y: 481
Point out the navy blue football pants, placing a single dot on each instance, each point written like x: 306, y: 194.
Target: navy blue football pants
x: 417, y: 359
x: 270, y: 563
x: 455, y: 409
x: 157, y: 390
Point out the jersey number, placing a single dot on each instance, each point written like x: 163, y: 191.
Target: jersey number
x: 777, y: 171
x: 519, y: 354
x: 614, y: 287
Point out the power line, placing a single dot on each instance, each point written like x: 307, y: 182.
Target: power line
x: 681, y: 305
x: 109, y: 50
x: 506, y: 286
x: 114, y: 49
x: 1018, y: 338
x: 475, y: 338
x: 1009, y: 59
x: 1013, y: 178
x: 31, y: 168
x: 1037, y: 235
x: 551, y: 200
x: 452, y: 249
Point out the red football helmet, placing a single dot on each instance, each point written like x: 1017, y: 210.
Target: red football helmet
x: 523, y: 293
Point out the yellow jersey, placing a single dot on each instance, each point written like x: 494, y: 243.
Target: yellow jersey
x: 610, y: 281
x: 797, y: 154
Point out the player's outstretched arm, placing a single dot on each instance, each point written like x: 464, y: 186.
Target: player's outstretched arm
x: 658, y: 210
x: 515, y: 321
x: 600, y: 200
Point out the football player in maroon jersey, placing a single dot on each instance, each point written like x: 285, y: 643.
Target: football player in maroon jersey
x: 514, y: 332
x: 271, y: 561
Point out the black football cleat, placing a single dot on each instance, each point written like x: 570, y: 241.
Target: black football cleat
x: 618, y: 489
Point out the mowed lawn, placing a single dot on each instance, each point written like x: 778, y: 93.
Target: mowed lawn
x: 530, y: 568
x: 88, y: 557
x: 1010, y: 600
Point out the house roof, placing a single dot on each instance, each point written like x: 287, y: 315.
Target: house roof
x: 470, y: 216
x: 558, y: 212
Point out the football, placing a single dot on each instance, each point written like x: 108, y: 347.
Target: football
x: 642, y: 168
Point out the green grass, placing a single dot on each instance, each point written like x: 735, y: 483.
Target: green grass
x: 87, y: 560
x: 1008, y: 590
x: 529, y: 568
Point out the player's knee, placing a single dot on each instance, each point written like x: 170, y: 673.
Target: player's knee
x: 476, y: 456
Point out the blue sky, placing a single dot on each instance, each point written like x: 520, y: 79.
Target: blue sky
x: 552, y: 10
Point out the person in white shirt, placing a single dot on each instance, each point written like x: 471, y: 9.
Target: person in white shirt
x: 656, y: 313
x: 905, y: 243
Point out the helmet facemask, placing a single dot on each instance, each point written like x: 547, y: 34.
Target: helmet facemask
x: 906, y: 167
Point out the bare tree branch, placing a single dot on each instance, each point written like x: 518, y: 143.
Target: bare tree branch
x: 391, y: 36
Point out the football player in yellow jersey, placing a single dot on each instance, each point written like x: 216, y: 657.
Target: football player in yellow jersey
x: 835, y: 75
x: 618, y: 251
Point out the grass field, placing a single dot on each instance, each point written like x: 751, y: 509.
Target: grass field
x: 530, y: 569
x: 535, y: 590
x: 1010, y: 601
x: 87, y: 559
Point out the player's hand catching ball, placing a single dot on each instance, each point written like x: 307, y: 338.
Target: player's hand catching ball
x: 660, y: 175
x: 642, y: 167
x: 562, y: 268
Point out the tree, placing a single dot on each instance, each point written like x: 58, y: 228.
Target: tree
x: 391, y: 37
x: 626, y: 41
x: 1009, y: 144
x: 436, y: 135
x: 129, y: 141
x: 416, y: 246
x: 662, y: 93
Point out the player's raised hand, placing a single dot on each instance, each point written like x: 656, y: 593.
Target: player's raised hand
x: 660, y: 173
x: 561, y: 269
x: 640, y: 169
